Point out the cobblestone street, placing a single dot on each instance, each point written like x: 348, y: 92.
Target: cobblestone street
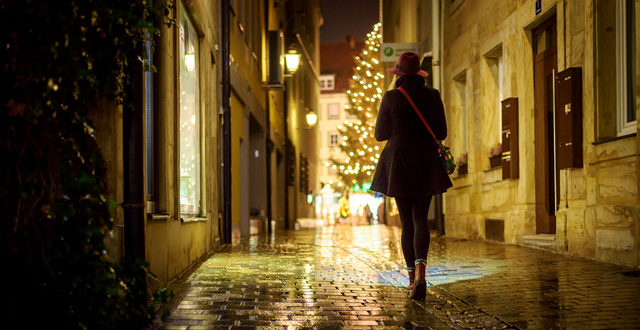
x: 344, y: 276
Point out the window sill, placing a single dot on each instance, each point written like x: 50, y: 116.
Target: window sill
x: 158, y: 216
x: 614, y: 139
x: 193, y: 219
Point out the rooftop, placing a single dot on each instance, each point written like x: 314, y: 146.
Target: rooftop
x: 337, y: 58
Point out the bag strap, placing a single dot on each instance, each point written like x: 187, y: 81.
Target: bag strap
x: 415, y: 108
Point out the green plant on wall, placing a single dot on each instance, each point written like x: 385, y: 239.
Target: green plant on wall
x: 59, y: 58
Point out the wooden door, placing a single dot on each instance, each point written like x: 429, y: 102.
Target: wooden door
x: 545, y: 68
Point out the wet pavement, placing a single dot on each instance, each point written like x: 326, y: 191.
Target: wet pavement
x: 353, y: 276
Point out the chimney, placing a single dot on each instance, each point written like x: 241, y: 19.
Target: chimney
x: 351, y: 42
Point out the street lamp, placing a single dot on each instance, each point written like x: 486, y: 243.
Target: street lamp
x: 312, y: 118
x: 293, y: 60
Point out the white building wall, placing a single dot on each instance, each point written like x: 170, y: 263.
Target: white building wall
x: 326, y: 126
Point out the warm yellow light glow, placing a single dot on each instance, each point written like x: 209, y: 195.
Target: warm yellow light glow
x: 293, y: 61
x: 312, y: 118
x: 190, y: 62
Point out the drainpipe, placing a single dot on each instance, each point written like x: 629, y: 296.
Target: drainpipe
x: 435, y: 38
x: 133, y: 149
x: 226, y: 121
x: 133, y: 204
x: 267, y: 132
x: 269, y: 149
x: 435, y: 65
x: 286, y: 157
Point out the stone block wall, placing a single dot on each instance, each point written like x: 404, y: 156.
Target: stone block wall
x: 598, y: 214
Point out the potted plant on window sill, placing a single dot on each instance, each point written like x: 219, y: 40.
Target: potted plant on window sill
x: 462, y: 165
x: 495, y: 156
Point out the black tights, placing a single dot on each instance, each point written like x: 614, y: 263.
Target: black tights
x: 415, y: 229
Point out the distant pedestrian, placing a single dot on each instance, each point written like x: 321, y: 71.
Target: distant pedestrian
x: 409, y: 167
x: 368, y: 214
x: 381, y: 215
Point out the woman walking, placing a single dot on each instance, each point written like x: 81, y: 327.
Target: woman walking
x: 409, y: 168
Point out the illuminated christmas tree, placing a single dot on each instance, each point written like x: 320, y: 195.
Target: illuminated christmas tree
x: 359, y: 146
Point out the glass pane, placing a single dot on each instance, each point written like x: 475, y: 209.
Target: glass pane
x: 334, y: 111
x: 189, y: 117
x: 149, y: 120
x: 631, y: 61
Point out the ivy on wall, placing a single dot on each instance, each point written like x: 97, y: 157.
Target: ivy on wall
x: 59, y: 58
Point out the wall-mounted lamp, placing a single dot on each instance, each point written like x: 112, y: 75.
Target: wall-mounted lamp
x: 312, y: 118
x: 190, y: 61
x: 293, y: 61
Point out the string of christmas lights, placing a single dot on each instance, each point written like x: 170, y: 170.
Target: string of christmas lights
x: 359, y: 146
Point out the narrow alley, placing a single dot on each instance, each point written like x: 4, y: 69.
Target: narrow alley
x: 196, y: 164
x: 338, y: 276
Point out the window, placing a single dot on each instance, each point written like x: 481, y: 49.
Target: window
x: 189, y: 112
x: 460, y: 136
x: 615, y: 43
x: 327, y: 82
x: 625, y: 68
x: 304, y: 175
x: 334, y: 139
x: 246, y: 22
x: 500, y: 93
x: 333, y: 111
x: 150, y: 130
x: 494, y: 88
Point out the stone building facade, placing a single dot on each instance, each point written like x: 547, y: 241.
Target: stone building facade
x: 567, y: 177
x: 268, y: 114
x: 173, y: 146
x: 169, y: 152
x: 301, y: 20
x: 572, y: 182
x: 337, y: 63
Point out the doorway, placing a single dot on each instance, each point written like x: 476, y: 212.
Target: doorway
x: 545, y: 65
x: 257, y: 189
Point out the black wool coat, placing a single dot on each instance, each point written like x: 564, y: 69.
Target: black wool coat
x: 409, y: 165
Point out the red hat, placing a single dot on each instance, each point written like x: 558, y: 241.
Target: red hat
x: 408, y: 63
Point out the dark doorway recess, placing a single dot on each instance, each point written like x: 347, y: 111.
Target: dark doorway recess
x: 545, y: 68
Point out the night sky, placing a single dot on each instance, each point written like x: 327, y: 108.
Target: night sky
x: 352, y: 17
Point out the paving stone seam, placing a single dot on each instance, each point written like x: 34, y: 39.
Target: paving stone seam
x: 432, y: 286
x: 450, y: 294
x: 388, y: 279
x: 544, y: 297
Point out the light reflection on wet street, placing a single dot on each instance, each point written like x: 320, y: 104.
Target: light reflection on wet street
x: 342, y: 276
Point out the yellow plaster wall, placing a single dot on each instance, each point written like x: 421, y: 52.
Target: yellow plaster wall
x: 599, y: 203
x: 237, y: 133
x: 172, y: 246
x: 482, y: 194
x: 241, y: 53
x: 276, y: 112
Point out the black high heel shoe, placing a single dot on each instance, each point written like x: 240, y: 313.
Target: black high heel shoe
x: 412, y: 276
x: 419, y: 291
